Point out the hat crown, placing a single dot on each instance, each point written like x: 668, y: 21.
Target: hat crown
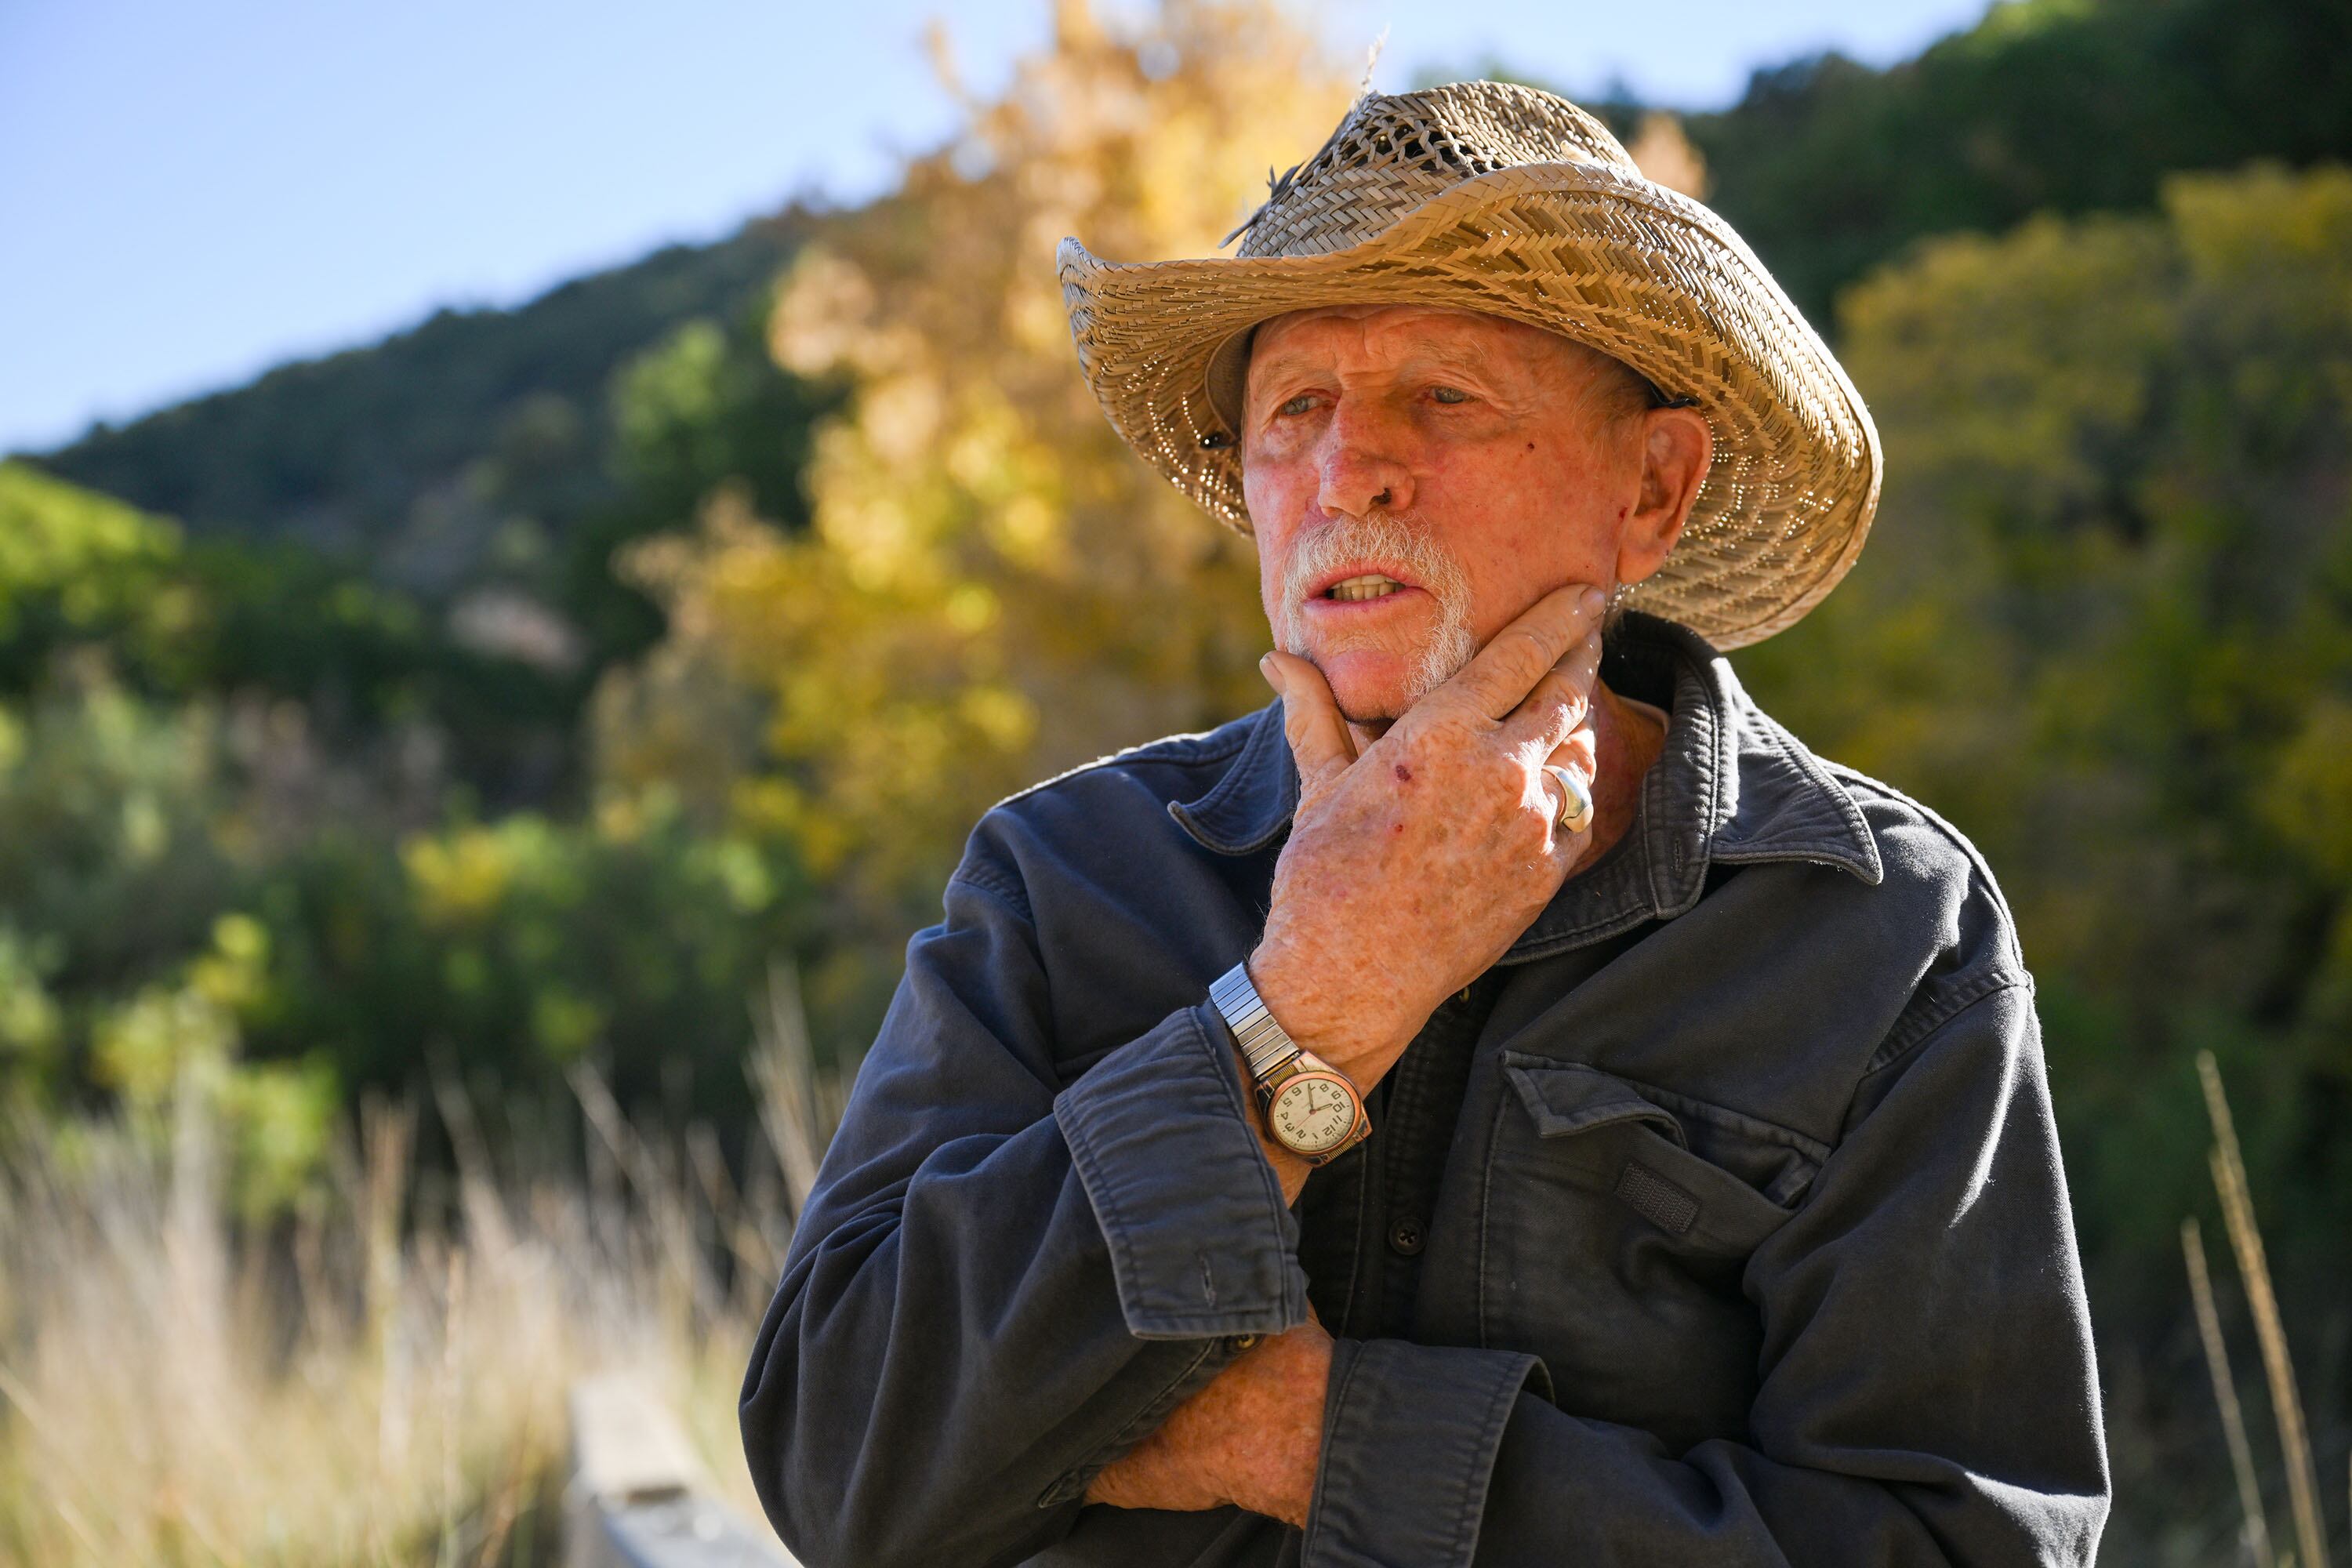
x: 1394, y: 151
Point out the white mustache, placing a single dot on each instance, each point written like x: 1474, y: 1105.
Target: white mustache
x: 1387, y: 538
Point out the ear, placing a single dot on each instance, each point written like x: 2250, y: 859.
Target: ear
x: 1676, y: 447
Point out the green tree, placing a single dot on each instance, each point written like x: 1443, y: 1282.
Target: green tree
x: 75, y: 567
x: 1829, y: 167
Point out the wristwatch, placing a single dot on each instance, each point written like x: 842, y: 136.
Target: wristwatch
x: 1310, y: 1107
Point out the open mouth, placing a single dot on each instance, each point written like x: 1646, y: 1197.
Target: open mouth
x: 1366, y: 586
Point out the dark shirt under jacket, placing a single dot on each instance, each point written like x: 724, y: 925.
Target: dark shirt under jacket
x: 1721, y: 1222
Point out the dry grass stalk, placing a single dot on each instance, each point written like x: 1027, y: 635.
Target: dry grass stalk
x: 2246, y: 1241
x: 2257, y: 1536
x: 800, y: 1106
x: 375, y: 1386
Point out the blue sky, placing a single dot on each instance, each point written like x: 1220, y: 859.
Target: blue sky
x: 194, y: 193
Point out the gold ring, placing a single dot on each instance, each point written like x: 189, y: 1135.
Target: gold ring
x: 1575, y: 800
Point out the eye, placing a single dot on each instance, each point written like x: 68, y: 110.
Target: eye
x: 1299, y: 404
x: 1448, y: 394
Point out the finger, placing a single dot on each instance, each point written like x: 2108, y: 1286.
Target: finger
x: 1562, y: 700
x: 1508, y: 666
x: 1577, y: 755
x: 1320, y: 742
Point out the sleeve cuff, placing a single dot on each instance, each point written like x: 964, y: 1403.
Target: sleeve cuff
x: 1201, y: 1242
x: 1410, y: 1435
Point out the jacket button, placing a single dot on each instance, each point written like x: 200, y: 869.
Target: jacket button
x: 1405, y: 1235
x: 1240, y: 1343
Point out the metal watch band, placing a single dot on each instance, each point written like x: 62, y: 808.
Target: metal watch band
x: 1262, y: 1040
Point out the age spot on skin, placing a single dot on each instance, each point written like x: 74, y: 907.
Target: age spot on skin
x: 1403, y: 774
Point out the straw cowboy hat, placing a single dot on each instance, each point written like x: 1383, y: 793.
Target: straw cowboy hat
x: 1488, y: 196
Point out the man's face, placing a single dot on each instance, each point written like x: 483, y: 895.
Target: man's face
x: 1441, y: 470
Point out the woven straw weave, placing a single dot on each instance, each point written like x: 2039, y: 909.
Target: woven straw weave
x: 1489, y: 196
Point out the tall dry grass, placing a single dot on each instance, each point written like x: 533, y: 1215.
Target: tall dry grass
x: 2230, y: 1185
x: 380, y: 1380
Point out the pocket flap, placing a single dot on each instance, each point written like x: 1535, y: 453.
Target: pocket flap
x: 1568, y: 1097
x: 1660, y: 1175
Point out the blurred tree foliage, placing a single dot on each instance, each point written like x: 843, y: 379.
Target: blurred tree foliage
x: 234, y: 857
x: 84, y: 577
x: 992, y: 588
x: 75, y: 567
x: 430, y: 522
x: 707, y: 407
x: 1829, y: 167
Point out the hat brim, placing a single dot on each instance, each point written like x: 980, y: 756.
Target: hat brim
x: 1592, y: 252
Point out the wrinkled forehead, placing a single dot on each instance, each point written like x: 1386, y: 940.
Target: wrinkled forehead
x: 1396, y: 334
x: 1403, y: 323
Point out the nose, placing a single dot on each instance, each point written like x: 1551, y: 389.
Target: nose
x: 1360, y: 466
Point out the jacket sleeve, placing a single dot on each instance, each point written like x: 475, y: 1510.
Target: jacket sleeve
x: 1927, y: 1395
x: 1001, y: 1283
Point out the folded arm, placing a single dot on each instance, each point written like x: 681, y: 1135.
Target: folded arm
x: 1001, y: 1283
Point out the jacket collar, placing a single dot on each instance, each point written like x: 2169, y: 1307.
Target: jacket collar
x: 1730, y: 786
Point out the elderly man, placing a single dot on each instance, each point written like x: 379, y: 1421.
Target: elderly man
x: 1507, y: 1102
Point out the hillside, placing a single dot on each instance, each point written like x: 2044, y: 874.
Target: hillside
x: 477, y: 442
x: 1828, y: 167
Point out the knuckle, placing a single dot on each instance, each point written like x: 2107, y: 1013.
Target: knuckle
x: 1562, y: 702
x: 1528, y: 641
x: 1446, y: 729
x: 1506, y: 776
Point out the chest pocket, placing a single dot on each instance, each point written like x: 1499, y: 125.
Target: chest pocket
x: 1618, y: 1222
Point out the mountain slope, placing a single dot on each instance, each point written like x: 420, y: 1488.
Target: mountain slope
x: 477, y: 440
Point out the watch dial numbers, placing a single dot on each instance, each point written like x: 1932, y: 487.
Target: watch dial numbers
x: 1312, y: 1115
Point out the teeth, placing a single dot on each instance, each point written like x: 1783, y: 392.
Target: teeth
x: 1370, y: 586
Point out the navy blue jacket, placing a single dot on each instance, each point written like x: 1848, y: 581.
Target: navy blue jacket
x: 1750, y: 1243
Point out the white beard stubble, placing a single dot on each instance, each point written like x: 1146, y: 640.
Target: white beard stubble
x: 1450, y: 645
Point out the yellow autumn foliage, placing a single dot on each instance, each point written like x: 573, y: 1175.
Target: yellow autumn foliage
x: 993, y: 588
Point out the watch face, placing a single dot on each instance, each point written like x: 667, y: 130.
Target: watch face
x: 1313, y: 1112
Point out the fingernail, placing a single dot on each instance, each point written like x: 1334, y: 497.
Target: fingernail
x: 1591, y: 601
x: 1272, y: 671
